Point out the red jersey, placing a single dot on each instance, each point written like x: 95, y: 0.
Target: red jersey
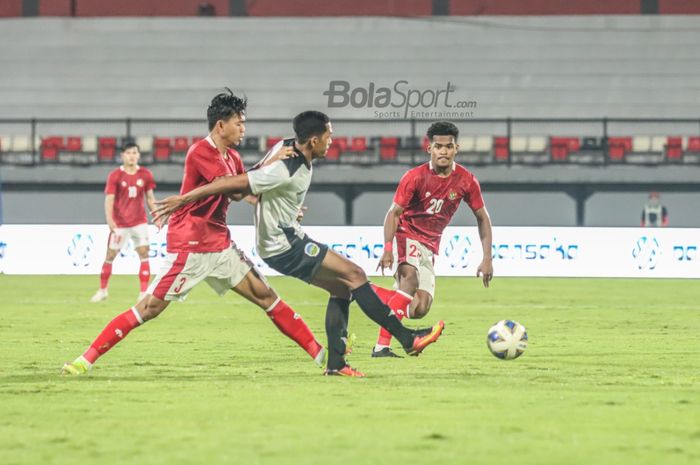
x: 430, y: 201
x: 129, y: 191
x: 201, y: 226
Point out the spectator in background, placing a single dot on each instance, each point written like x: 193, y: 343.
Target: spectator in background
x: 206, y: 9
x: 654, y: 214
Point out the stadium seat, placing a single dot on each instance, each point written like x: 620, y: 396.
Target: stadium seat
x: 518, y: 144
x: 358, y: 144
x: 20, y: 144
x: 693, y: 145
x: 674, y: 149
x: 592, y: 143
x: 271, y: 141
x: 50, y: 146
x: 658, y: 143
x: 145, y: 144
x: 5, y: 142
x: 641, y: 144
x: 410, y: 143
x: 536, y: 144
x: 500, y: 148
x: 333, y: 152
x: 483, y: 144
x: 89, y: 144
x: 251, y: 143
x: 161, y: 149
x: 466, y: 143
x: 561, y: 147
x: 388, y: 148
x: 618, y: 147
x: 106, y: 149
x: 180, y: 144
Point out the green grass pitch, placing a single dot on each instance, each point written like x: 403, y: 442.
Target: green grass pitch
x: 610, y: 377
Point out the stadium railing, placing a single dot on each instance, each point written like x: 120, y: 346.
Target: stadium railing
x: 509, y: 141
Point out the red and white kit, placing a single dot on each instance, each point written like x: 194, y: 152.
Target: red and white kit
x: 429, y: 202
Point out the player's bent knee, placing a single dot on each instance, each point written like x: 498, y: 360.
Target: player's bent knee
x: 356, y: 276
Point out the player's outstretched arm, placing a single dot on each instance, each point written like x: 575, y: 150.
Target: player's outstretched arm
x: 485, y: 269
x: 223, y: 185
x: 391, y: 223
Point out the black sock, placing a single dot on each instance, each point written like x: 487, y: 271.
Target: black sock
x: 382, y: 315
x: 337, y: 315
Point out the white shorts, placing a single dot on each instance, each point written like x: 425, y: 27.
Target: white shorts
x: 421, y: 258
x: 182, y: 271
x: 120, y: 237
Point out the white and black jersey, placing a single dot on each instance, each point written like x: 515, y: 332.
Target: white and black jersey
x: 281, y: 188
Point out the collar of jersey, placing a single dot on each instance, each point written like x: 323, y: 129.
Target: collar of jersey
x: 430, y: 165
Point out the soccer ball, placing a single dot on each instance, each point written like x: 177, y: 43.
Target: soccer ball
x: 507, y: 339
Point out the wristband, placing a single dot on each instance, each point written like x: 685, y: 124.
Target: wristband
x: 389, y: 246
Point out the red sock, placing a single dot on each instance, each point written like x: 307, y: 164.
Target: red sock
x: 144, y: 275
x: 105, y: 274
x: 115, y: 331
x: 399, y: 304
x: 294, y: 327
x: 384, y: 294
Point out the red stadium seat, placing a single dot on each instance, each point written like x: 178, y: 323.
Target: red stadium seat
x: 106, y: 149
x: 333, y: 153
x: 618, y: 147
x: 161, y: 149
x: 341, y: 143
x: 388, y: 148
x: 271, y: 141
x: 50, y: 147
x: 561, y: 147
x: 694, y: 144
x: 674, y: 149
x: 73, y: 144
x: 181, y: 144
x: 501, y: 149
x: 358, y: 144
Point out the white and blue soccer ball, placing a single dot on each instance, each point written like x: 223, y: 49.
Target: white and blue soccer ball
x: 507, y: 339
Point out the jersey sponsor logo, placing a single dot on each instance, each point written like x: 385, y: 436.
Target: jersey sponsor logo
x: 139, y: 182
x: 80, y: 249
x: 646, y: 252
x: 311, y: 249
x: 427, y: 194
x: 123, y: 183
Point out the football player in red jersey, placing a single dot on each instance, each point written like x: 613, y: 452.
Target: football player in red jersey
x: 126, y: 188
x: 200, y: 248
x: 425, y: 201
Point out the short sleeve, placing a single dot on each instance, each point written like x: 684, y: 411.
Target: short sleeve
x: 472, y: 196
x: 208, y: 167
x: 111, y: 185
x: 150, y: 181
x: 404, y: 193
x: 268, y: 177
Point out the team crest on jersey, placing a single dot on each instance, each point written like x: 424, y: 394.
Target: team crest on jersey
x: 139, y: 182
x: 452, y: 195
x: 311, y: 249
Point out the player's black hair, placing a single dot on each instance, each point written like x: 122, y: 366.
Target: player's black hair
x: 308, y: 124
x: 130, y: 145
x: 442, y: 128
x: 225, y: 105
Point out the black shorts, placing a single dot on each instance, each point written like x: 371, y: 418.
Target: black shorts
x: 301, y: 261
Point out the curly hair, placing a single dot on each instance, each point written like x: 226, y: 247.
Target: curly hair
x: 442, y: 128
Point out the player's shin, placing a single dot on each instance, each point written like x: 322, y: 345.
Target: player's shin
x: 337, y: 315
x: 144, y: 274
x: 398, y: 303
x: 382, y: 314
x: 115, y: 331
x: 293, y: 326
x: 105, y: 274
